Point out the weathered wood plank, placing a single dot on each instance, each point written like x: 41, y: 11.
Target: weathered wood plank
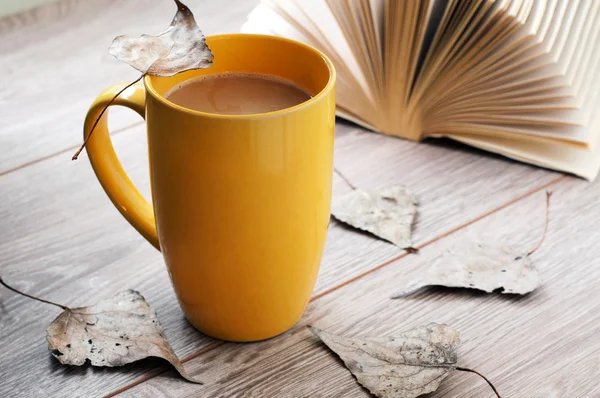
x: 541, y: 345
x: 64, y: 240
x: 54, y: 61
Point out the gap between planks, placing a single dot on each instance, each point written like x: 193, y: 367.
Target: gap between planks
x: 218, y: 344
x: 63, y: 151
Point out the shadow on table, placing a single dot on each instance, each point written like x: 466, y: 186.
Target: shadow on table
x: 429, y: 293
x: 145, y: 367
x: 447, y: 144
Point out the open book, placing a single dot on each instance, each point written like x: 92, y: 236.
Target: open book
x: 516, y: 77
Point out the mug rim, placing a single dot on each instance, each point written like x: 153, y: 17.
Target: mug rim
x: 328, y: 87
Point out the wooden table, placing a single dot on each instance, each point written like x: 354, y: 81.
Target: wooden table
x: 63, y: 240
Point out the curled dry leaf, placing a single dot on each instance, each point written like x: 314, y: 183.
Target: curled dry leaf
x: 387, y: 213
x: 489, y: 267
x: 114, y: 332
x: 181, y: 47
x: 485, y: 266
x: 404, y: 366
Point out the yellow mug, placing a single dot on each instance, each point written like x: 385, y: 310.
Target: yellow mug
x: 240, y: 203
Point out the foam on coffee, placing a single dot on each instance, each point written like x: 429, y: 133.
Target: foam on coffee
x: 237, y: 94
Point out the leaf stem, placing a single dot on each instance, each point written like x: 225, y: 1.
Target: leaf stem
x: 76, y: 155
x: 343, y: 177
x: 480, y: 375
x: 548, y: 195
x: 64, y: 307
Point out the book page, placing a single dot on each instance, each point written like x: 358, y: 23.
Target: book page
x: 561, y: 112
x: 409, y: 29
x: 351, y: 21
x: 583, y: 162
x: 377, y: 14
x: 285, y: 18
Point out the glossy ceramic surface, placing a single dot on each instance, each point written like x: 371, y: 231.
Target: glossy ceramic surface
x: 240, y: 203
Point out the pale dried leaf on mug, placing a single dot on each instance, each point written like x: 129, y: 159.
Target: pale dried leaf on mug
x: 387, y: 213
x: 113, y: 332
x: 180, y: 48
x: 490, y: 267
x: 408, y: 365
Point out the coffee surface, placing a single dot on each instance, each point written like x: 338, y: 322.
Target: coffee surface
x: 237, y: 94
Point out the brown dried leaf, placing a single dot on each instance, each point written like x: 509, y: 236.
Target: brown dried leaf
x: 114, y: 332
x: 387, y: 213
x: 485, y: 266
x: 181, y: 47
x: 404, y: 366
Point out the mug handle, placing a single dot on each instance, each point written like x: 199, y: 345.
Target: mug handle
x: 117, y: 185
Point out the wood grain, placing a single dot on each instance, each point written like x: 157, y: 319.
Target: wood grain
x: 65, y: 241
x: 54, y: 61
x: 541, y: 345
x: 62, y: 239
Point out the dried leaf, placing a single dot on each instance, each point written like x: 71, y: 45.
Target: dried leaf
x: 488, y: 267
x: 405, y: 366
x: 114, y: 332
x: 387, y: 213
x: 181, y: 47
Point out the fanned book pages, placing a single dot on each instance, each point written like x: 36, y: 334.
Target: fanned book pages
x: 520, y: 78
